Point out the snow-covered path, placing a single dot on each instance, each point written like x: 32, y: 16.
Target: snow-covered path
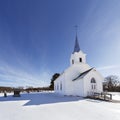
x: 48, y: 106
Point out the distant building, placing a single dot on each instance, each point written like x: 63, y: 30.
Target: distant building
x: 79, y: 79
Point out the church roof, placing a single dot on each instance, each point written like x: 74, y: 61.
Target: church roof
x: 76, y: 47
x: 82, y: 74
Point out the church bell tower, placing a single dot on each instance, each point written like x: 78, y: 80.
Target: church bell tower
x: 77, y: 57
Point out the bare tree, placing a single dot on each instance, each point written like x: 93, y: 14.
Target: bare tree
x: 111, y: 83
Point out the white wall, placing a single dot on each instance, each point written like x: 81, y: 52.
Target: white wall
x: 78, y: 87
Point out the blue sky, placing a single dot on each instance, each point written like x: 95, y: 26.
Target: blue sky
x: 37, y: 38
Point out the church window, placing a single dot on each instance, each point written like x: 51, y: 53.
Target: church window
x: 93, y: 84
x: 72, y: 61
x: 80, y: 59
x: 61, y: 86
x: 57, y: 87
x: 93, y: 80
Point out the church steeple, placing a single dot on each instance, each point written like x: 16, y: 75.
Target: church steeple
x: 76, y: 47
x: 77, y: 57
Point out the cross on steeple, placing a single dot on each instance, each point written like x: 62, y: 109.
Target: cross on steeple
x: 76, y: 28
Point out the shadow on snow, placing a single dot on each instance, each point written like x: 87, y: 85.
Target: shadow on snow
x: 41, y: 98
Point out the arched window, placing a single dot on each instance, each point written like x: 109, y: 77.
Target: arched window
x: 80, y: 59
x: 93, y: 80
x: 93, y: 84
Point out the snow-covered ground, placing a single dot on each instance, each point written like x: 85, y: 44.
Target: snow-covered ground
x: 115, y: 95
x: 49, y: 106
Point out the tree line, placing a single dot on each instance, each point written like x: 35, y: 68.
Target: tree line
x: 22, y: 89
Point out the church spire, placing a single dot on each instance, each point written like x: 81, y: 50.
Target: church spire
x: 76, y: 47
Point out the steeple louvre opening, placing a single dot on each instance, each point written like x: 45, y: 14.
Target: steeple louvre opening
x: 80, y: 59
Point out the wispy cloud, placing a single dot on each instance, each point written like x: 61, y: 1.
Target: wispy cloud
x: 12, y: 76
x: 108, y: 67
x: 110, y: 70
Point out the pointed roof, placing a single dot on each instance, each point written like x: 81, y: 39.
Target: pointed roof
x: 76, y: 47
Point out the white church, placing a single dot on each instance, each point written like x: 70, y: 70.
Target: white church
x: 79, y: 79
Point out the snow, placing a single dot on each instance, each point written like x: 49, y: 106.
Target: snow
x: 115, y: 95
x: 50, y: 106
